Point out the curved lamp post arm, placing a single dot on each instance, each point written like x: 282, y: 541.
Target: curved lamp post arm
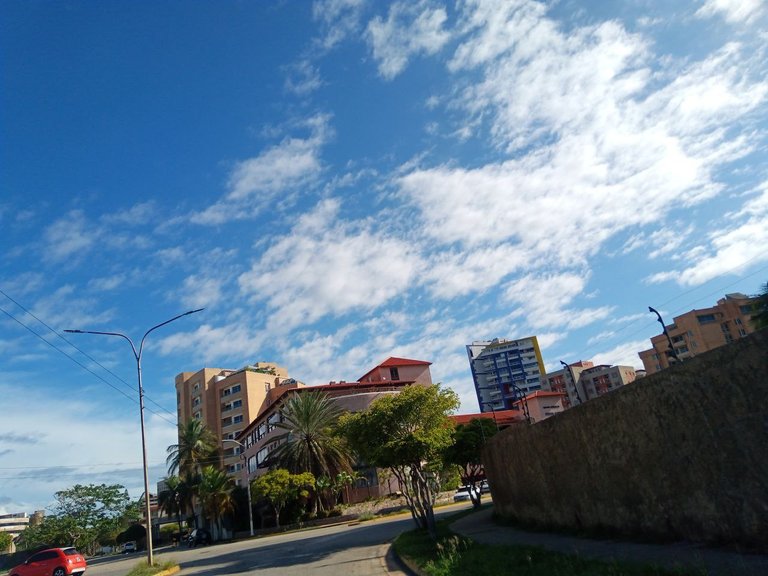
x: 137, y: 356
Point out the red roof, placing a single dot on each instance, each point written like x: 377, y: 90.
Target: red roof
x: 541, y: 393
x: 501, y: 417
x: 393, y: 362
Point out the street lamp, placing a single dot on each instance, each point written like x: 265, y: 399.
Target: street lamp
x: 573, y: 379
x: 137, y: 355
x: 247, y: 481
x: 672, y: 350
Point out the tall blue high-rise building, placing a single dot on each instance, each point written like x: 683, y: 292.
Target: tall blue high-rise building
x: 505, y: 371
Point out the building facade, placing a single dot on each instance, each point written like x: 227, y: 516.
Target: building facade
x: 262, y: 436
x: 505, y: 371
x: 698, y: 331
x: 566, y: 381
x: 16, y: 523
x: 227, y: 401
x: 583, y: 381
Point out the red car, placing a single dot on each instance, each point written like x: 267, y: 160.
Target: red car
x: 52, y: 562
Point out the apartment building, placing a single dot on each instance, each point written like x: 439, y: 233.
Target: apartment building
x: 582, y: 381
x: 542, y: 404
x: 261, y: 437
x: 16, y: 523
x: 505, y: 371
x: 701, y: 330
x: 566, y: 381
x: 227, y: 401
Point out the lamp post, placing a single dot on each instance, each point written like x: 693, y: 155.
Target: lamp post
x: 664, y: 329
x: 247, y: 481
x: 573, y: 379
x: 137, y: 355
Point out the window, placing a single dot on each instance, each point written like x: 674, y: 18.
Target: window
x: 237, y: 419
x: 237, y: 403
x: 746, y: 309
x: 705, y: 318
x: 198, y: 415
x: 742, y: 332
x: 236, y: 388
x: 394, y: 374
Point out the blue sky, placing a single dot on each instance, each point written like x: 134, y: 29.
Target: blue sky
x: 340, y: 181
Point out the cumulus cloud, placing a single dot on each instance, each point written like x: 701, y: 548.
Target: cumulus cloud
x: 411, y: 28
x: 592, y: 142
x: 328, y: 266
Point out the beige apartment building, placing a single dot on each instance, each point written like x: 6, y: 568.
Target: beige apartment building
x: 227, y: 401
x: 583, y: 381
x: 698, y: 331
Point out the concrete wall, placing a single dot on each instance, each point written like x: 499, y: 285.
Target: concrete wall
x: 679, y: 454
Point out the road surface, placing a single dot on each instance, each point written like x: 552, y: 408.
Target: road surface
x: 348, y: 549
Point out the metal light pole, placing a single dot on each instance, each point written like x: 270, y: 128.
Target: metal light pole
x: 137, y: 355
x: 247, y: 481
x: 664, y: 329
x: 573, y: 379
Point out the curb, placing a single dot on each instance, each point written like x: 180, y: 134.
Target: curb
x: 410, y: 566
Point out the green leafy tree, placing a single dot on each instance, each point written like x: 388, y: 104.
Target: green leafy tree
x: 82, y: 516
x: 309, y: 443
x: 760, y: 317
x: 468, y: 442
x: 5, y: 541
x: 216, y: 494
x: 407, y: 433
x: 279, y: 487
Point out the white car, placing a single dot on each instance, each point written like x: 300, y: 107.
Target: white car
x: 129, y: 547
x: 464, y: 493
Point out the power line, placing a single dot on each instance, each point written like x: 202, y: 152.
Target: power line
x: 83, y: 366
x: 27, y: 311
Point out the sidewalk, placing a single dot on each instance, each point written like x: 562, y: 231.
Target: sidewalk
x: 481, y: 528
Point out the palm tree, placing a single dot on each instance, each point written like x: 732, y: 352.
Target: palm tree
x: 177, y: 499
x: 309, y: 444
x: 215, y: 491
x: 197, y: 447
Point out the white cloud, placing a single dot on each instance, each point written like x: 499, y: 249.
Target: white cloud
x: 742, y: 240
x: 544, y: 299
x: 328, y: 266
x: 625, y: 354
x: 733, y: 11
x: 410, y: 29
x: 236, y: 342
x: 287, y: 167
x: 303, y: 78
x: 71, y: 236
x: 338, y: 20
x: 80, y: 455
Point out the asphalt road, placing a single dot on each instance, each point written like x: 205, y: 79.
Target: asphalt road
x: 349, y: 549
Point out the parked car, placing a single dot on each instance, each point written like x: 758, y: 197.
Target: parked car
x: 464, y: 493
x: 53, y: 562
x: 484, y: 488
x: 129, y: 547
x: 199, y: 536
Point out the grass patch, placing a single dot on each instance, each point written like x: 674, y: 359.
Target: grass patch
x: 454, y: 555
x: 142, y: 569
